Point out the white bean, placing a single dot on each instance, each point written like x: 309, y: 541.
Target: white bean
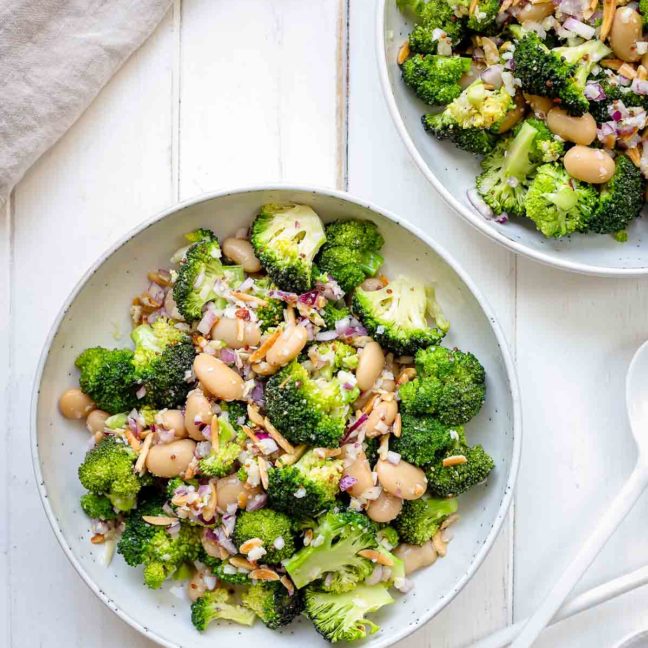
x: 96, y: 421
x: 626, y: 31
x: 236, y: 333
x: 198, y: 413
x: 580, y: 130
x: 589, y: 164
x: 383, y: 413
x: 358, y: 468
x: 242, y: 253
x: 173, y: 419
x: 170, y: 459
x: 370, y: 365
x: 217, y: 378
x: 415, y: 556
x: 287, y: 346
x: 385, y: 508
x: 74, y: 404
x: 402, y: 479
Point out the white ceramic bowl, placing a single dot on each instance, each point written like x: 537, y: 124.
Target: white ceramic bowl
x: 453, y: 172
x: 101, y: 300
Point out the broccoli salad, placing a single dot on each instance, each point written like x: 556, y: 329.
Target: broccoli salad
x: 286, y: 435
x: 552, y: 94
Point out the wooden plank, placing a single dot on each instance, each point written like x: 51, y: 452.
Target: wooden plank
x: 110, y: 172
x: 380, y: 169
x: 260, y: 93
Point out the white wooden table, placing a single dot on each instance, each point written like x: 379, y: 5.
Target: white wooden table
x: 227, y: 93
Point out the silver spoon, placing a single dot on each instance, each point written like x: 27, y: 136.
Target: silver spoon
x: 637, y: 405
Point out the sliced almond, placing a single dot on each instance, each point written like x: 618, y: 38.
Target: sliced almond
x: 260, y: 353
x: 98, y: 538
x: 241, y: 563
x: 642, y: 73
x: 449, y: 521
x: 250, y: 434
x: 264, y: 574
x: 159, y: 279
x: 591, y: 10
x: 281, y: 441
x: 133, y: 442
x: 473, y: 7
x: 325, y: 453
x: 406, y: 375
x: 308, y: 537
x: 439, y: 545
x: 264, y: 369
x: 609, y: 9
x: 263, y: 472
x: 254, y: 415
x: 611, y: 63
x: 242, y: 499
x: 294, y: 457
x: 209, y: 511
x: 454, y: 460
x: 377, y: 557
x: 397, y: 427
x: 248, y: 545
x: 289, y: 316
x: 383, y: 447
x: 634, y: 155
x: 403, y: 53
x: 371, y: 403
x: 288, y: 584
x: 628, y: 71
x: 192, y: 469
x: 491, y: 53
x: 159, y: 520
x: 141, y: 459
x: 244, y: 297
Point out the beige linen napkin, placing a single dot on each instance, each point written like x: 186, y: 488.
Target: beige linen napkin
x: 55, y: 56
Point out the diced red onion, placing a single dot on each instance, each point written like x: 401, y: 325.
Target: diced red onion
x: 228, y: 356
x: 375, y: 577
x: 203, y: 448
x: 257, y: 393
x: 639, y: 86
x: 174, y: 529
x: 492, y: 75
x: 579, y: 28
x: 354, y: 426
x: 207, y: 321
x: 309, y: 298
x: 349, y: 327
x: 347, y: 482
x: 229, y: 520
x: 594, y: 91
x: 478, y: 203
x: 141, y: 392
x: 573, y: 7
x: 246, y: 285
x: 326, y: 336
x: 330, y: 289
x: 256, y: 502
x: 165, y: 436
x: 623, y: 81
x: 220, y: 537
x: 393, y: 458
x: 288, y: 297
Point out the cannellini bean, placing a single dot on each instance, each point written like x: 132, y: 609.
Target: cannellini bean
x: 198, y: 411
x: 385, y: 508
x: 535, y: 12
x: 580, y: 130
x: 96, y: 421
x: 217, y: 378
x: 589, y: 164
x: 370, y: 365
x: 74, y: 404
x: 402, y: 479
x: 540, y: 105
x: 288, y: 345
x: 228, y: 490
x: 242, y: 253
x: 384, y: 412
x: 173, y: 419
x: 359, y: 469
x: 170, y: 459
x: 626, y: 31
x: 415, y: 556
x: 236, y: 333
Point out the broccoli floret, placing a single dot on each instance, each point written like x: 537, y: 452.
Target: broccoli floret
x: 163, y: 356
x: 450, y: 384
x: 558, y: 204
x: 272, y: 603
x: 216, y: 605
x: 420, y: 519
x: 306, y: 409
x: 450, y: 481
x: 423, y: 438
x: 332, y: 313
x: 98, y: 507
x: 507, y: 171
x: 643, y: 10
x: 351, y: 252
x: 221, y: 460
x: 473, y: 140
x: 399, y: 315
x: 435, y: 79
x: 272, y: 528
x: 271, y: 314
x: 620, y: 200
x: 434, y: 15
x: 108, y: 470
x: 286, y: 239
x: 108, y: 377
x: 546, y: 147
x: 341, y: 617
x: 327, y: 358
x: 198, y: 273
x: 337, y: 539
x: 484, y: 17
x: 307, y: 487
x: 160, y: 553
x: 560, y: 73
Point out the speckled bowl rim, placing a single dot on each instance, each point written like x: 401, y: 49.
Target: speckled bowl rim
x: 461, y: 208
x: 386, y: 640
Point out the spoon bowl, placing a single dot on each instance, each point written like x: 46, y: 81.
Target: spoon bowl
x: 637, y: 399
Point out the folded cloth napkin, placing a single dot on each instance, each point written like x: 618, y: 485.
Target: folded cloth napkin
x: 55, y: 56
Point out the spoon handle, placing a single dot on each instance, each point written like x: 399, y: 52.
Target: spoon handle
x: 619, y: 508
